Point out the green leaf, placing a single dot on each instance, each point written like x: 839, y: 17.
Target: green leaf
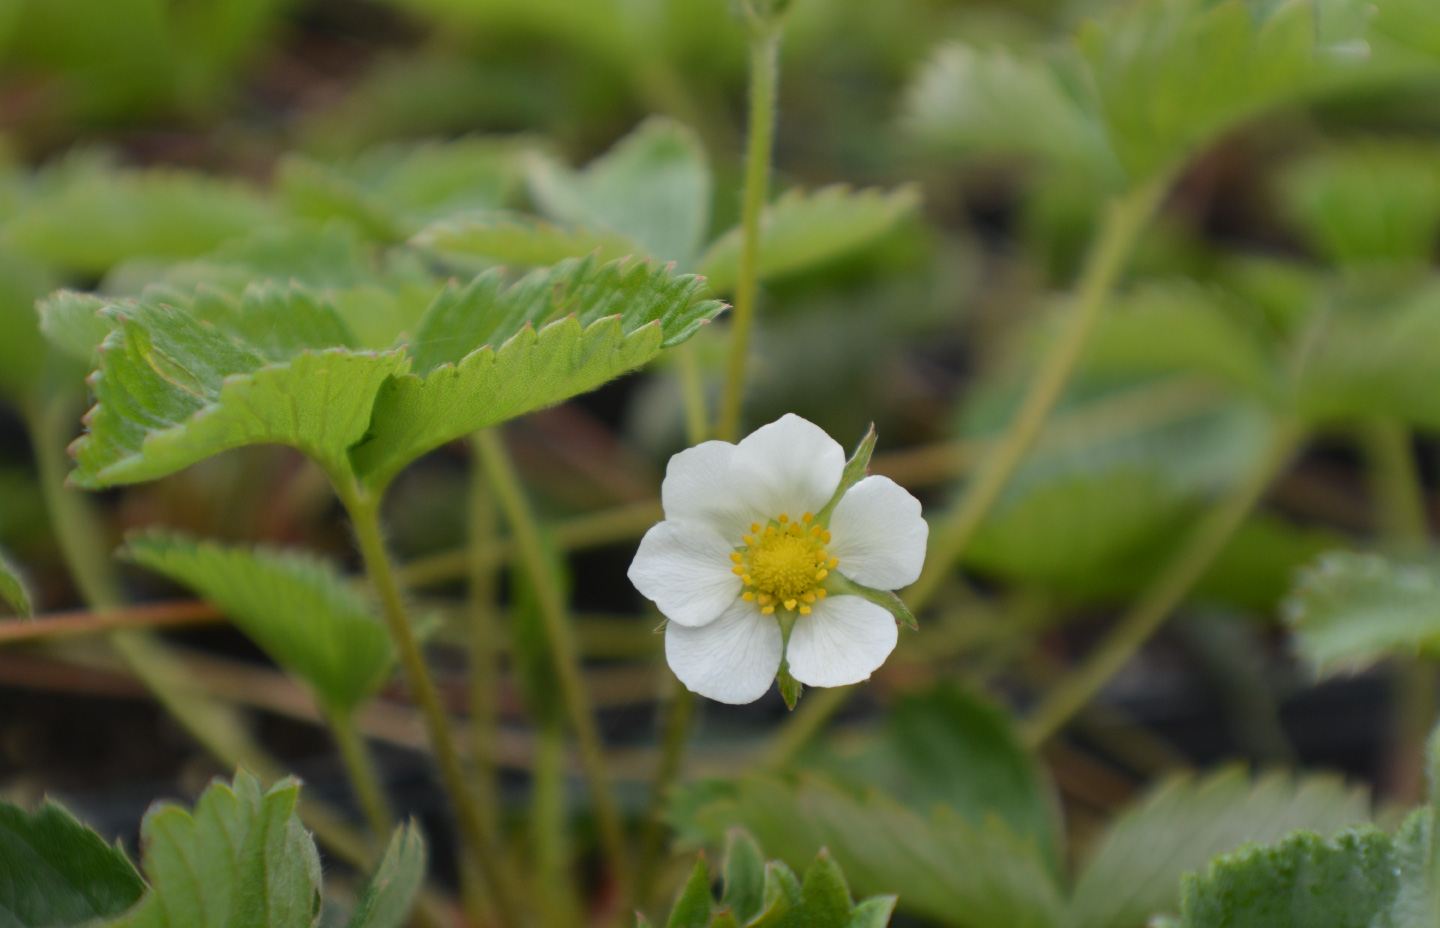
x: 653, y: 188
x: 74, y: 322
x: 523, y: 240
x: 242, y: 858
x: 932, y: 735
x: 487, y: 354
x: 14, y: 590
x: 970, y: 101
x: 1173, y: 75
x: 744, y: 876
x: 1368, y: 202
x: 692, y: 908
x: 1135, y: 869
x: 1350, y: 610
x: 391, y: 890
x: 23, y: 353
x: 297, y: 607
x: 943, y: 867
x: 182, y: 379
x: 100, y: 215
x: 824, y: 897
x: 1179, y: 327
x: 55, y: 871
x: 803, y: 230
x: 1412, y: 23
x: 393, y: 190
x: 780, y: 908
x: 872, y: 913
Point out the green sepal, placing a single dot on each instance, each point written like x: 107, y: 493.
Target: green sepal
x: 391, y: 890
x: 790, y: 688
x: 692, y: 909
x: 724, y: 918
x: 874, y: 912
x: 782, y: 897
x: 55, y: 871
x: 744, y: 875
x: 840, y: 585
x: 854, y: 472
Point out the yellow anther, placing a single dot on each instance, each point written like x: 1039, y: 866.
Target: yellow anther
x: 825, y: 538
x: 754, y: 527
x: 808, y: 517
x: 796, y: 530
x: 765, y: 599
x: 736, y: 556
x: 789, y: 604
x: 768, y: 610
x: 748, y: 596
x: 821, y: 574
x: 816, y: 531
x: 738, y: 571
x: 804, y: 610
x: 746, y: 579
x: 783, y: 518
x: 819, y: 594
x: 834, y: 562
x: 749, y: 539
x: 809, y: 596
x: 783, y: 564
x: 770, y: 531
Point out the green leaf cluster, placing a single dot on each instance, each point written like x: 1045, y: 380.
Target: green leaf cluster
x: 978, y: 849
x: 1142, y: 87
x: 762, y: 895
x: 240, y: 857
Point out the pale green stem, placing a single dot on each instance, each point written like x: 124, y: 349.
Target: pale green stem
x: 1166, y: 592
x: 484, y: 632
x: 692, y: 390
x: 549, y: 848
x: 952, y: 531
x: 950, y: 534
x: 360, y: 768
x: 764, y: 67
x: 1399, y: 499
x: 561, y: 637
x: 481, y: 833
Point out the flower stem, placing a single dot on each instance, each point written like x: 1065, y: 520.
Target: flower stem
x: 480, y: 832
x: 667, y: 771
x: 1399, y: 499
x: 951, y: 532
x: 360, y: 768
x: 1166, y: 592
x: 483, y: 638
x: 553, y: 612
x: 764, y: 68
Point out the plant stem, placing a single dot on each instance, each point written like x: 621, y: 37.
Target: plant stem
x: 1399, y: 499
x: 667, y: 771
x: 553, y: 612
x: 764, y: 68
x: 484, y: 633
x: 692, y: 390
x: 951, y: 533
x: 480, y: 833
x: 360, y: 767
x: 1166, y: 592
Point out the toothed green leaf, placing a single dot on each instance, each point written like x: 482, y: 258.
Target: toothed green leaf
x: 744, y: 875
x: 180, y: 380
x: 241, y: 858
x: 298, y: 608
x: 692, y: 909
x: 653, y: 188
x: 391, y: 890
x: 527, y: 241
x: 486, y: 353
x: 55, y: 871
x: 1350, y: 610
x: 74, y: 322
x: 803, y: 230
x: 1134, y: 870
x: 14, y: 591
x: 824, y: 896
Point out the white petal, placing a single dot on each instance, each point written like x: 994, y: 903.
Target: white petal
x: 685, y: 568
x: 733, y: 659
x: 700, y: 486
x: 878, y: 534
x: 842, y: 641
x: 789, y: 466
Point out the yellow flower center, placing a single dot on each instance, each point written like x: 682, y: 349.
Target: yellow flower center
x: 784, y: 563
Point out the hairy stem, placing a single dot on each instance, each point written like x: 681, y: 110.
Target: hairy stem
x: 1166, y: 592
x: 951, y: 532
x: 764, y: 68
x: 480, y: 832
x: 483, y: 635
x: 561, y: 635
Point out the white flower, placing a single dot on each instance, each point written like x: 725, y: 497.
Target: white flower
x: 748, y: 554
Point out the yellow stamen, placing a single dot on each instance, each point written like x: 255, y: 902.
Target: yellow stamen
x: 821, y: 574
x: 809, y: 596
x: 754, y: 527
x: 816, y: 531
x: 808, y: 517
x: 789, y: 604
x: 825, y: 538
x: 736, y: 556
x: 783, y: 518
x: 834, y: 562
x: 804, y: 610
x: 748, y: 596
x: 783, y: 564
x: 768, y: 610
x: 738, y: 571
x: 819, y: 594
